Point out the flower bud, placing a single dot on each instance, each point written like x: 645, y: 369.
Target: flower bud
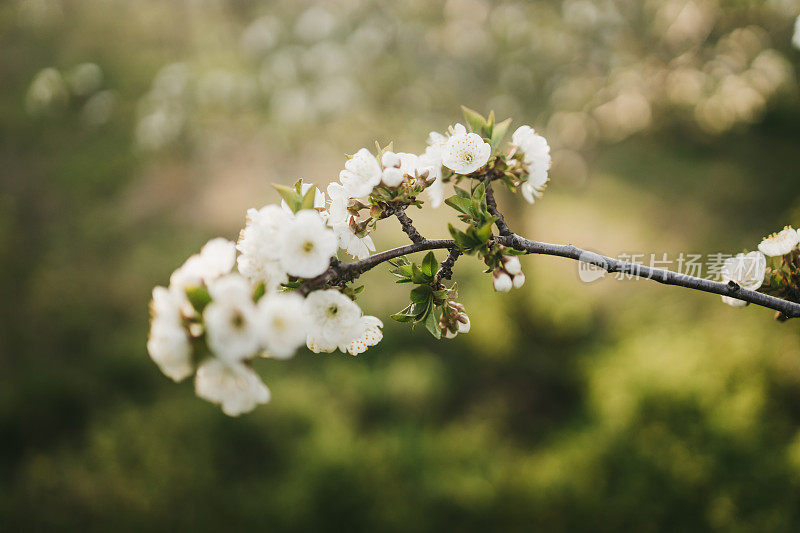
x: 449, y: 334
x: 463, y: 323
x: 390, y: 159
x: 502, y: 281
x: 512, y: 265
x: 392, y: 177
x: 519, y: 280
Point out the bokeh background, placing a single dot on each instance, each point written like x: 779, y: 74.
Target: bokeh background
x: 131, y: 131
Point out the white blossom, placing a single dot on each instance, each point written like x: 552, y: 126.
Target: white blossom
x: 431, y: 161
x: 358, y: 247
x: 390, y: 159
x: 518, y: 280
x: 361, y: 174
x: 409, y: 164
x: 396, y: 166
x: 234, y: 386
x: 780, y: 243
x: 392, y: 173
x: 215, y: 259
x: 267, y: 272
x: 259, y: 244
x: 536, y: 157
x: 437, y: 139
x: 168, y: 344
x: 748, y: 270
x: 464, y: 153
x: 337, y: 210
x: 367, y: 333
x: 231, y: 331
x: 262, y: 232
x: 502, y: 281
x: 339, y: 220
x: 307, y: 245
x: 392, y: 176
x: 282, y: 324
x: 334, y: 320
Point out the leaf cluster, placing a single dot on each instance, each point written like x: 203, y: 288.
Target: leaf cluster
x: 473, y: 210
x: 426, y: 298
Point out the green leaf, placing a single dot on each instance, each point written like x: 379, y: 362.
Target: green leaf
x: 198, y: 297
x: 403, y: 316
x: 499, y: 132
x: 259, y: 291
x: 484, y: 232
x: 479, y: 192
x: 429, y: 265
x: 421, y: 294
x: 474, y: 119
x: 290, y: 196
x: 308, y: 199
x: 462, y: 205
x: 490, y: 121
x: 461, y: 193
x: 457, y: 234
x: 431, y: 323
x: 403, y: 271
x: 417, y: 276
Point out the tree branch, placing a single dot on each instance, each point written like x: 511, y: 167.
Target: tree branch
x: 408, y: 225
x: 446, y: 269
x: 340, y: 272
x: 491, y: 204
x: 667, y: 277
x: 346, y: 272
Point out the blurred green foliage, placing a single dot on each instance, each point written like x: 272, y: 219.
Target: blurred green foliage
x: 614, y: 406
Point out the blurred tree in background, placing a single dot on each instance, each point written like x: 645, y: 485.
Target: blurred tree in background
x: 133, y: 130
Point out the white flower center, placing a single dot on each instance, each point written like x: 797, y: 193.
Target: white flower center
x: 237, y: 320
x: 308, y: 246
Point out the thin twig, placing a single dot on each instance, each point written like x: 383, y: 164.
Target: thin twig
x: 667, y: 277
x: 408, y: 225
x: 446, y: 268
x: 345, y: 272
x: 491, y: 204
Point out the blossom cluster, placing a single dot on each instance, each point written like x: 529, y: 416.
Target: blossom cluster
x: 274, y: 290
x: 750, y: 270
x: 213, y: 321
